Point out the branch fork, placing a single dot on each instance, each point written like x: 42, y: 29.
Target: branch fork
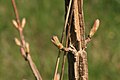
x: 60, y: 46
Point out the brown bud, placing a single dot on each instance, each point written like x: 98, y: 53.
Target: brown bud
x: 15, y: 24
x: 23, y: 22
x: 17, y: 42
x: 94, y: 28
x: 27, y: 47
x: 56, y: 42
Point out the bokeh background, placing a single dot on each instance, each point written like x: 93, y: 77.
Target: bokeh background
x: 46, y: 18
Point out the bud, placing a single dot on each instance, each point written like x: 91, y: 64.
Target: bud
x: 56, y: 42
x: 17, y: 42
x: 27, y: 47
x: 94, y: 28
x: 15, y: 24
x: 23, y: 22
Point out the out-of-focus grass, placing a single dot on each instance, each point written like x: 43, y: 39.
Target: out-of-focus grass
x: 103, y: 51
x: 46, y: 18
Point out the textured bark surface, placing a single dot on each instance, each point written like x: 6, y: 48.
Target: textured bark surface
x: 77, y: 62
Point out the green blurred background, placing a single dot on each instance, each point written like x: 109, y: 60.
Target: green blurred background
x: 46, y: 18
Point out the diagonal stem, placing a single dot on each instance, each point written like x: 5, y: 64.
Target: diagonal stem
x: 16, y: 12
x: 24, y: 48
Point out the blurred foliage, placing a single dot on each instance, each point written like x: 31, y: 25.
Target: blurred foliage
x: 46, y: 18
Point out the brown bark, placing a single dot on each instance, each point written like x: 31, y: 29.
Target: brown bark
x: 75, y: 30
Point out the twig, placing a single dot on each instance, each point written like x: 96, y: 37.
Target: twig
x: 69, y: 15
x: 24, y: 46
x: 62, y: 39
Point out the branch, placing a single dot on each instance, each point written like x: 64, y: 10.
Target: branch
x: 24, y: 46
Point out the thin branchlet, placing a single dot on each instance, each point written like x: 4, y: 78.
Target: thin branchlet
x: 24, y: 46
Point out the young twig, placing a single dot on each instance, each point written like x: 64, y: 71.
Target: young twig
x: 24, y: 46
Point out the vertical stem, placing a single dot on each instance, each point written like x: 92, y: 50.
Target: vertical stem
x: 63, y: 64
x: 62, y: 39
x: 34, y: 68
x: 56, y: 66
x: 77, y: 63
x: 67, y: 36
